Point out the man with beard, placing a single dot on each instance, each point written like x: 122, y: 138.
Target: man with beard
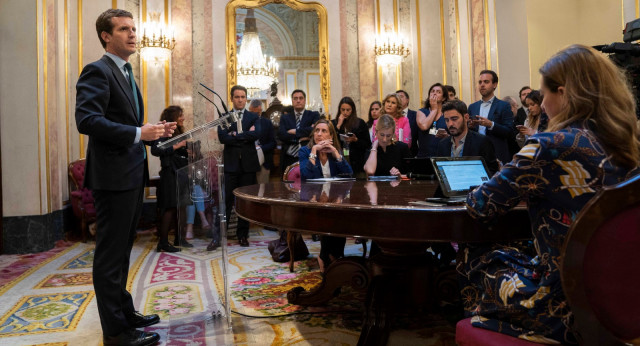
x: 491, y: 116
x: 461, y: 141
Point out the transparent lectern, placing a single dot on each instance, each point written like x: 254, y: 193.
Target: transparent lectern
x: 196, y: 184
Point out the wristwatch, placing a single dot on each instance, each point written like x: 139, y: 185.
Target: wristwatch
x: 312, y: 156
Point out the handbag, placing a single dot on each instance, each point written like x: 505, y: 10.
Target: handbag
x: 293, y: 149
x: 279, y: 249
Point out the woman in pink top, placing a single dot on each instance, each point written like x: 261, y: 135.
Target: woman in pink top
x: 390, y: 105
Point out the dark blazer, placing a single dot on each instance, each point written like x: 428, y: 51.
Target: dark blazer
x: 267, y: 141
x: 288, y: 122
x: 520, y: 117
x: 240, y: 150
x: 502, y: 116
x: 475, y: 145
x: 105, y: 111
x: 311, y: 171
x: 413, y: 123
x: 357, y: 149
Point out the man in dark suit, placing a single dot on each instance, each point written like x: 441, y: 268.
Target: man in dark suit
x: 265, y: 144
x: 491, y: 116
x: 461, y: 141
x: 522, y: 111
x: 240, y: 156
x: 295, y: 128
x: 403, y: 97
x: 109, y: 109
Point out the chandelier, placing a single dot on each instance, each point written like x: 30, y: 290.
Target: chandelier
x: 157, y: 40
x: 256, y: 72
x: 390, y: 49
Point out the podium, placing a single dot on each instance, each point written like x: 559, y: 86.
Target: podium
x: 195, y: 189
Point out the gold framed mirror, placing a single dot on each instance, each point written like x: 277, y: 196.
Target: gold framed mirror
x: 296, y: 5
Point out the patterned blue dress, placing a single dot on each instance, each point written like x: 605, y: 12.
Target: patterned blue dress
x: 517, y: 290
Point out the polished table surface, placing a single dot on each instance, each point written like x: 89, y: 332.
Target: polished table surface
x: 403, y: 277
x: 380, y: 210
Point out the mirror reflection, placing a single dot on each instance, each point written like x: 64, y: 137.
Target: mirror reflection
x: 284, y: 44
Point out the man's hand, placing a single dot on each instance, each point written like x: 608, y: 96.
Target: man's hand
x: 151, y: 132
x: 291, y: 131
x: 169, y: 128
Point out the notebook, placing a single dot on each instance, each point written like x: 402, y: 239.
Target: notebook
x: 459, y: 175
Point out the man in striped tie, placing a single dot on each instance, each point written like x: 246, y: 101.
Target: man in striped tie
x: 295, y: 128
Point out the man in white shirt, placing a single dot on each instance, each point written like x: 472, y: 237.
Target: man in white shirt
x: 491, y: 116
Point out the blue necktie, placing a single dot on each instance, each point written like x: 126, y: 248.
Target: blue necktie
x: 132, y: 83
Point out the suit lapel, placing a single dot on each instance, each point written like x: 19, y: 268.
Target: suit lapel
x: 123, y: 83
x: 468, y: 144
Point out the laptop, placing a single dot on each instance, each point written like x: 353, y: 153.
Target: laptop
x: 457, y: 176
x: 419, y: 167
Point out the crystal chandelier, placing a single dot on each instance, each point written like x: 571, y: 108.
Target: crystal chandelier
x: 390, y: 49
x: 255, y: 71
x: 157, y: 40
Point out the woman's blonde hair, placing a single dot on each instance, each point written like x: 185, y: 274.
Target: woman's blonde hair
x: 598, y: 96
x: 332, y: 131
x: 385, y: 122
x: 398, y: 110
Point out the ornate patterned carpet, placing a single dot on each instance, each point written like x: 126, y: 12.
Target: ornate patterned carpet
x: 48, y: 298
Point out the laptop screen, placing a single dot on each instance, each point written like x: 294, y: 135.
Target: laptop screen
x: 458, y: 175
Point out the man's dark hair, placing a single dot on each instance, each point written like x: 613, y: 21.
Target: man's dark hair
x: 238, y: 87
x: 493, y: 74
x: 458, y: 105
x: 523, y: 89
x: 450, y: 89
x: 103, y: 23
x: 298, y: 91
x: 404, y: 92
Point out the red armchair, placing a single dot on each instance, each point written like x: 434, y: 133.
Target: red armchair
x: 81, y: 197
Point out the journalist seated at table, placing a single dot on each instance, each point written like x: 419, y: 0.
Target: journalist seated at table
x: 517, y: 290
x: 386, y: 154
x: 461, y: 141
x: 321, y: 158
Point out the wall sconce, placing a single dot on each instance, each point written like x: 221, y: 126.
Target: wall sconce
x: 390, y: 49
x: 157, y: 40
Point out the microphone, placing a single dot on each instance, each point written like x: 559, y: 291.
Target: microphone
x: 213, y: 103
x: 224, y: 106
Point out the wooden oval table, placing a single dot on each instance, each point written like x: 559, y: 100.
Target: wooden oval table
x: 395, y: 215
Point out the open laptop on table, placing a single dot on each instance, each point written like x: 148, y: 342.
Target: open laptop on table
x: 419, y: 168
x: 457, y: 176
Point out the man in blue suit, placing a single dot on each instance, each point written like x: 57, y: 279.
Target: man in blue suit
x: 240, y: 156
x: 109, y: 109
x: 295, y: 128
x: 491, y: 116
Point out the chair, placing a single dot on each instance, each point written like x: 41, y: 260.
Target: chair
x: 81, y: 197
x: 599, y: 268
x: 598, y: 271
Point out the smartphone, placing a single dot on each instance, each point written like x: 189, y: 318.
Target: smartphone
x: 350, y: 134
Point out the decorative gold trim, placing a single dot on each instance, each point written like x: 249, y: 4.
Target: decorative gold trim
x: 637, y: 8
x: 459, y: 49
x: 80, y: 65
x: 323, y: 38
x: 470, y: 44
x: 294, y: 58
x: 135, y: 268
x: 378, y: 14
x: 487, y: 35
x: 419, y: 46
x: 114, y: 4
x: 444, y: 48
x: 395, y: 16
x: 45, y: 75
x: 380, y: 82
x: 66, y: 77
x: 167, y: 78
x: 495, y: 30
x: 38, y: 108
